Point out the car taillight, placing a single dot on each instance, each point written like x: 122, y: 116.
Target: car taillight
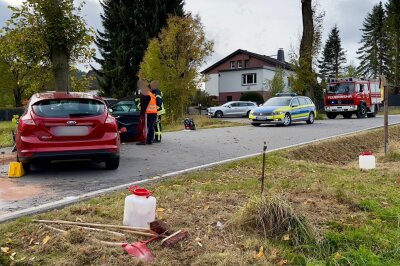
x: 111, y: 123
x: 26, y: 124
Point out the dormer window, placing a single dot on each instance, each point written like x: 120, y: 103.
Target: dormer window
x: 240, y: 64
x: 233, y: 64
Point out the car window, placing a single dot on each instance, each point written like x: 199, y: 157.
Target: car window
x: 243, y: 104
x: 68, y: 108
x: 124, y: 107
x: 295, y: 101
x: 235, y: 104
x: 278, y: 101
x: 250, y: 104
x: 303, y: 101
x: 309, y: 101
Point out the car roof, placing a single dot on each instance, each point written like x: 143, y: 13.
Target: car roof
x: 51, y: 95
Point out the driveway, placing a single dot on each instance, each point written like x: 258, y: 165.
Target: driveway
x: 179, y: 150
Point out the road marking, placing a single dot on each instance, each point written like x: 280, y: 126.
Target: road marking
x: 74, y: 199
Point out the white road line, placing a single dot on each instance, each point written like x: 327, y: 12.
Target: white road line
x: 70, y: 200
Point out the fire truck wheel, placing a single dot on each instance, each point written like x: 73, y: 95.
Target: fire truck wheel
x: 331, y: 115
x: 362, y: 111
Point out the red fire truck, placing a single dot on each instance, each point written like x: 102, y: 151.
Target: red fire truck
x: 348, y: 96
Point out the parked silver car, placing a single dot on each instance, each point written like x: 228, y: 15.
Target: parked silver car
x: 238, y: 108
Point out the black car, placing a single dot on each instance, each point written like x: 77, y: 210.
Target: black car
x: 127, y: 114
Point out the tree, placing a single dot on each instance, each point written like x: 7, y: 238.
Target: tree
x: 393, y: 32
x: 128, y: 27
x: 351, y: 71
x: 373, y: 50
x: 202, y: 97
x: 174, y: 60
x: 333, y: 56
x: 252, y: 96
x: 304, y: 82
x: 20, y: 53
x: 277, y: 84
x: 7, y: 83
x: 60, y: 32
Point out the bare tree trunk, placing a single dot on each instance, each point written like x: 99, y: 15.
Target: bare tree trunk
x: 306, y: 45
x: 56, y: 40
x: 17, y: 92
x: 60, y: 66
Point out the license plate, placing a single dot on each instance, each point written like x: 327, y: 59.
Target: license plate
x: 261, y: 118
x: 70, y: 131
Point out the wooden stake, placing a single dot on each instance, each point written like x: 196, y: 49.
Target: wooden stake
x: 263, y: 168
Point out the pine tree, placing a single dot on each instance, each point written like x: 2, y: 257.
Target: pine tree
x: 373, y: 52
x: 393, y: 32
x: 333, y: 55
x: 128, y: 27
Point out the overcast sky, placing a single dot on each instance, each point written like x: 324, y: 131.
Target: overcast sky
x: 260, y: 26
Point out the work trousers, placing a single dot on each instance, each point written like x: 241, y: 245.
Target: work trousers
x: 150, y: 123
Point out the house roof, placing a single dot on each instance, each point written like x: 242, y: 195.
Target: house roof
x: 264, y: 58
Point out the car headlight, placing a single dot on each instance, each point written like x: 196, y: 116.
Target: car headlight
x: 277, y: 113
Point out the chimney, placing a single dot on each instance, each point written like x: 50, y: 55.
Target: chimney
x: 281, y: 55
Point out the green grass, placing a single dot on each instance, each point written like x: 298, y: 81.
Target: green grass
x: 201, y: 121
x: 353, y: 216
x: 5, y: 133
x: 392, y: 111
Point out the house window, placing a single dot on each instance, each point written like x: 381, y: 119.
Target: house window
x: 246, y: 63
x: 289, y: 84
x: 228, y: 98
x: 240, y: 64
x: 233, y: 64
x: 249, y: 79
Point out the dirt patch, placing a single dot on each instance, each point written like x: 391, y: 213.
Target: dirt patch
x: 12, y: 190
x: 345, y: 149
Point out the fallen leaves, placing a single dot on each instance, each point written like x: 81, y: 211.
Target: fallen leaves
x: 46, y: 239
x: 286, y: 237
x: 260, y: 254
x: 5, y: 249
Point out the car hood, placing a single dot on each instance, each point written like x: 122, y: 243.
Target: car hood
x: 270, y: 109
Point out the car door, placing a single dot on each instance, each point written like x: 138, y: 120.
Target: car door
x: 127, y: 114
x: 296, y: 109
x: 234, y: 109
x: 305, y: 108
x: 243, y: 108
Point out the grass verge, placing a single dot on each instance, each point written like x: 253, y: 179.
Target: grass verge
x: 322, y: 211
x: 202, y: 122
x: 5, y: 133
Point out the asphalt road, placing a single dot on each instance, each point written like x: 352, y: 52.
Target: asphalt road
x: 179, y: 150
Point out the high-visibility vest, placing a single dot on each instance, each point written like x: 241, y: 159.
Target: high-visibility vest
x: 152, y: 107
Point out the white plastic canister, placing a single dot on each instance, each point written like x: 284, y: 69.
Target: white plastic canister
x: 140, y: 208
x: 367, y: 161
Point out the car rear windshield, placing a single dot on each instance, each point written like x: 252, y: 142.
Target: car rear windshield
x: 278, y: 101
x: 68, y: 108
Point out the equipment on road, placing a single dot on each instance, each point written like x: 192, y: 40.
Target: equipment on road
x: 140, y: 208
x: 16, y: 169
x: 189, y: 124
x: 348, y: 96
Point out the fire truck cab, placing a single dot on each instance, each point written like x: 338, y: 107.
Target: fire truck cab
x: 348, y: 96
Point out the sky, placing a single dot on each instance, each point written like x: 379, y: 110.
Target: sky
x: 259, y: 26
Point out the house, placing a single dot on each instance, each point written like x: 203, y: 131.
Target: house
x: 244, y: 71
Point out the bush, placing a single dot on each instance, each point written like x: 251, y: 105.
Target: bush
x: 252, y: 97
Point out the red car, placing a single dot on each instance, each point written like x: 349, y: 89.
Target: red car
x: 65, y: 126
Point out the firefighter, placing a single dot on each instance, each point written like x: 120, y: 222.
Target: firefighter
x: 148, y: 106
x: 155, y: 89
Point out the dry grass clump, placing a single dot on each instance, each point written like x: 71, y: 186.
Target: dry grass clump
x: 275, y: 218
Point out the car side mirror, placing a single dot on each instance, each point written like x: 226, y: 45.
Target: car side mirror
x: 229, y: 106
x: 110, y: 110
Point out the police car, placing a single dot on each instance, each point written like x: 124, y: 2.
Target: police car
x: 284, y: 109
